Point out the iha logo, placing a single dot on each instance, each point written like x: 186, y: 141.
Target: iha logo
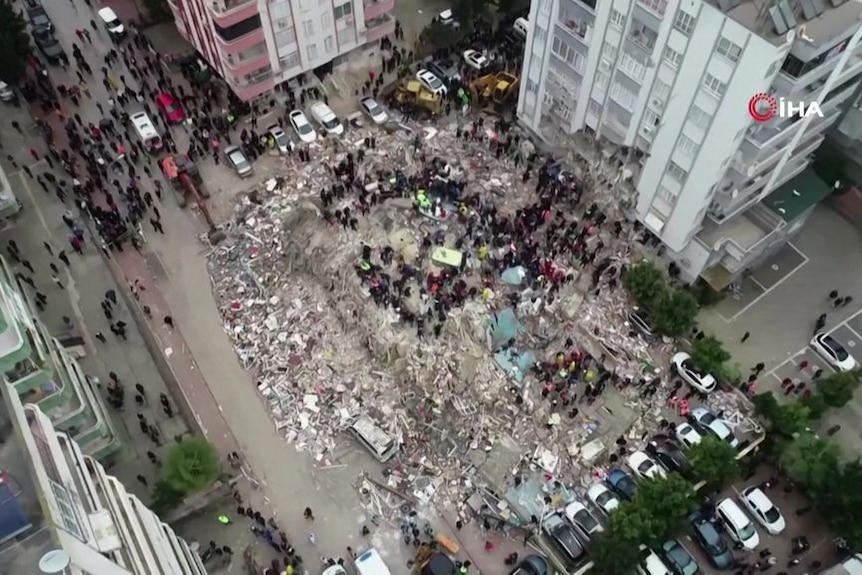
x: 763, y: 107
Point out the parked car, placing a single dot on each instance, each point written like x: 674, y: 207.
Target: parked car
x: 582, y: 518
x: 446, y: 70
x: 707, y: 422
x: 763, y: 510
x: 684, y: 366
x: 281, y: 141
x: 665, y: 450
x: 644, y: 466
x: 447, y: 18
x: 237, y: 160
x: 678, y: 559
x: 113, y: 24
x: 710, y: 541
x: 374, y: 110
x: 475, y: 59
x: 564, y: 538
x: 651, y: 564
x: 639, y: 320
x: 833, y: 352
x: 736, y: 524
x: 302, y: 126
x: 170, y: 109
x: 47, y: 44
x: 531, y: 565
x: 38, y: 17
x: 432, y: 82
x: 687, y: 434
x: 622, y: 483
x: 602, y: 497
x: 520, y: 27
x: 7, y: 94
x: 327, y: 119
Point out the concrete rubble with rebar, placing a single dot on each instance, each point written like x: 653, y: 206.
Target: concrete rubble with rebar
x: 322, y: 352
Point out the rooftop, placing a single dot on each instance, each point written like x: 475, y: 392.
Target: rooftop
x: 796, y: 196
x: 822, y: 30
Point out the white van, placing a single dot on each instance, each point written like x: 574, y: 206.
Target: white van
x: 327, y: 119
x: 520, y: 27
x: 737, y: 524
x: 370, y: 563
x: 111, y: 22
x: 146, y: 131
x: 381, y: 445
x: 650, y: 564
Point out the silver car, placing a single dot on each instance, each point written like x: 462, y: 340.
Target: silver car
x: 280, y: 138
x: 238, y: 161
x: 374, y: 110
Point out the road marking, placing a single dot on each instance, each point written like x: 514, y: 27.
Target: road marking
x: 783, y: 279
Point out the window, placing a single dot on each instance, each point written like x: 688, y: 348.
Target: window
x: 283, y: 24
x: 285, y: 37
x: 699, y: 118
x: 617, y: 18
x: 632, y: 67
x: 594, y: 108
x: 657, y: 6
x: 567, y: 53
x: 532, y: 86
x: 687, y: 146
x: 343, y: 10
x: 623, y: 96
x: 609, y: 53
x: 714, y: 85
x: 541, y: 34
x: 651, y: 121
x: 666, y: 194
x: 684, y: 22
x: 677, y: 173
x: 672, y: 57
x: 289, y: 61
x: 642, y: 35
x: 311, y: 51
x: 661, y: 90
x: 328, y: 44
x: 728, y: 49
x: 602, y: 80
x: 308, y: 26
x: 326, y: 21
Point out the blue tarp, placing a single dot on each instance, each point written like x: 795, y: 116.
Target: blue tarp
x: 503, y: 326
x: 509, y: 360
x: 514, y: 276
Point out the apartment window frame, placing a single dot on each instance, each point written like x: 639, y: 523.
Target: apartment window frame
x: 603, y: 83
x: 661, y: 90
x: 651, y: 119
x: 618, y: 19
x: 328, y: 44
x: 714, y: 86
x: 672, y: 58
x: 676, y: 172
x: 623, y: 96
x: 656, y: 6
x: 728, y: 50
x: 684, y: 22
x: 290, y: 60
x: 688, y: 147
x: 699, y: 117
x: 632, y: 66
x: 308, y: 27
x: 343, y: 10
x: 667, y: 195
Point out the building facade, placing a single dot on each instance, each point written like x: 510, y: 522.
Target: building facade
x: 90, y: 524
x: 672, y: 80
x: 40, y: 369
x: 255, y: 45
x: 9, y: 205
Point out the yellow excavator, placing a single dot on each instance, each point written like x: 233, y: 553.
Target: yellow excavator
x: 494, y: 90
x: 411, y: 96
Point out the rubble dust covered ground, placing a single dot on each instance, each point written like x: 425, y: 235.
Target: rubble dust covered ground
x: 323, y: 352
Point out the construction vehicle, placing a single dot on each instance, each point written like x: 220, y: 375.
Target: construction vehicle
x: 186, y: 182
x: 410, y: 96
x: 495, y: 91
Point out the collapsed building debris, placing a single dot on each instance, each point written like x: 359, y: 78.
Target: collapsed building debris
x: 463, y: 402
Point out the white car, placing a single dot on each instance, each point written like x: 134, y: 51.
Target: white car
x: 374, y: 110
x: 281, y: 141
x: 643, y: 465
x: 447, y: 18
x: 475, y: 59
x: 708, y: 422
x: 603, y: 497
x: 302, y: 126
x: 833, y: 352
x: 684, y: 366
x: 582, y: 518
x: 327, y: 119
x: 6, y: 93
x: 687, y: 435
x: 432, y: 82
x: 762, y: 509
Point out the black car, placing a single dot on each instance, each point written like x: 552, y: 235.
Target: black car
x: 39, y: 18
x: 47, y: 44
x: 564, y: 538
x: 445, y: 70
x: 710, y: 541
x: 665, y: 450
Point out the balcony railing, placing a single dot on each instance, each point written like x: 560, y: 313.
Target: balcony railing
x: 223, y: 6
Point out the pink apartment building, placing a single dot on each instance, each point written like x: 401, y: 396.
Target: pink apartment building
x: 257, y: 44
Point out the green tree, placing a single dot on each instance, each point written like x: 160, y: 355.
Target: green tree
x: 15, y: 47
x: 708, y: 354
x: 191, y: 465
x: 158, y: 10
x: 714, y: 461
x: 666, y: 501
x: 674, y: 312
x: 786, y: 419
x: 165, y: 497
x: 614, y: 554
x: 816, y: 405
x: 469, y: 13
x: 837, y: 389
x: 645, y: 282
x: 810, y: 461
x: 841, y: 502
x: 438, y: 36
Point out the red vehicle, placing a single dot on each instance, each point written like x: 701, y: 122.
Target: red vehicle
x: 171, y: 110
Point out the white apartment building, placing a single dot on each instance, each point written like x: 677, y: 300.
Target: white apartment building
x: 672, y: 79
x: 90, y: 524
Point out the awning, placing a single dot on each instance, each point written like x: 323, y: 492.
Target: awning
x: 717, y: 277
x: 798, y: 195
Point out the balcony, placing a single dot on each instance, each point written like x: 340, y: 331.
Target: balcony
x: 738, y: 241
x: 248, y: 89
x: 642, y: 36
x: 577, y: 29
x: 232, y: 12
x: 376, y: 8
x: 240, y: 36
x: 245, y: 66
